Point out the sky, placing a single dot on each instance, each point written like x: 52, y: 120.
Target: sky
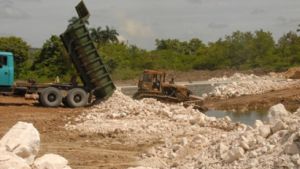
x: 140, y: 22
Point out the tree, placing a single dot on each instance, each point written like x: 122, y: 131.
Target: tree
x: 108, y: 35
x: 53, y: 60
x: 184, y: 47
x: 289, y: 48
x: 19, y: 48
x: 96, y: 34
x: 263, y: 50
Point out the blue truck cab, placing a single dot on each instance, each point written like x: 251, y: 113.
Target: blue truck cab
x: 6, y: 69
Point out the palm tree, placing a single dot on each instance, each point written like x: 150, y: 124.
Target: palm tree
x: 97, y: 35
x: 101, y: 36
x: 110, y: 35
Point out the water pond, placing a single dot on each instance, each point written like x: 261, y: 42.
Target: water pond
x: 248, y: 118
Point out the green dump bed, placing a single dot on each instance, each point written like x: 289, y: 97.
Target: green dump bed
x: 85, y: 57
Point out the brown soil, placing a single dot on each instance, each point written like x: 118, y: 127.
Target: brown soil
x: 82, y: 151
x: 110, y: 151
x: 262, y: 102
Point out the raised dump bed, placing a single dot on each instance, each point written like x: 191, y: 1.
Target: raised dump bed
x: 85, y: 57
x: 97, y: 83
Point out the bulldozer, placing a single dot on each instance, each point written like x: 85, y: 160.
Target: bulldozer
x: 152, y: 84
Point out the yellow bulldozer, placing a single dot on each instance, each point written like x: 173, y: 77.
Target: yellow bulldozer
x: 152, y: 84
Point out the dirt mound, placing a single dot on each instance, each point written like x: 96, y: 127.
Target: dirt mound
x: 292, y: 73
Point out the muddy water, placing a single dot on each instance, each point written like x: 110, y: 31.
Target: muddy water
x: 248, y: 118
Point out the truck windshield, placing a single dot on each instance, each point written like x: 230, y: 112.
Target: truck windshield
x: 3, y: 61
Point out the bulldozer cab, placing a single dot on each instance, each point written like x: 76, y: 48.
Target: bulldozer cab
x: 152, y: 80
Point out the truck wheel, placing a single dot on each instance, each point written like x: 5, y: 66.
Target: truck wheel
x: 77, y: 98
x: 50, y: 97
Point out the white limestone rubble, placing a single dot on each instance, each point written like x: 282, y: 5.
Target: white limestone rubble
x: 23, y: 140
x: 242, y: 84
x: 19, y: 147
x: 9, y: 160
x: 187, y: 139
x: 52, y: 161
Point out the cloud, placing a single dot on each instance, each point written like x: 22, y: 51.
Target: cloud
x: 9, y: 11
x: 195, y: 1
x: 217, y: 25
x: 122, y: 38
x: 258, y: 11
x: 136, y: 29
x: 283, y: 21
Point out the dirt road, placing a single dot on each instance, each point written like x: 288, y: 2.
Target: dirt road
x: 82, y: 151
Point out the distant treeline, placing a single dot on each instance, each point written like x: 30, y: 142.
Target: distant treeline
x: 240, y: 51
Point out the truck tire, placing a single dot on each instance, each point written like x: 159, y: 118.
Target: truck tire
x: 77, y: 97
x: 50, y: 97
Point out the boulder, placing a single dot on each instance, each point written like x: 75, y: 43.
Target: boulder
x: 51, y: 161
x: 264, y: 131
x: 234, y: 154
x: 258, y: 123
x: 279, y: 125
x: 223, y: 149
x: 9, y: 160
x: 291, y: 149
x: 297, y: 113
x: 244, y: 145
x: 277, y: 112
x: 293, y: 144
x: 23, y: 140
x: 200, y: 139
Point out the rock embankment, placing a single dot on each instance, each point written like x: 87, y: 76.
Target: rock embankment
x: 187, y: 139
x: 20, y: 146
x: 241, y: 84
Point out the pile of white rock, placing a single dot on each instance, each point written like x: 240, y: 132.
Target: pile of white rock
x: 140, y: 121
x: 187, y: 139
x: 240, y: 84
x: 123, y: 114
x: 20, y: 146
x: 274, y: 144
x: 239, y: 77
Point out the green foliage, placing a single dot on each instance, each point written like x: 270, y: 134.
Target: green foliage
x: 52, y: 61
x: 240, y: 50
x: 187, y: 48
x: 104, y: 36
x: 19, y: 48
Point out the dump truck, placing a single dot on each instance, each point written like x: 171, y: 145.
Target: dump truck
x: 96, y: 80
x: 152, y: 84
